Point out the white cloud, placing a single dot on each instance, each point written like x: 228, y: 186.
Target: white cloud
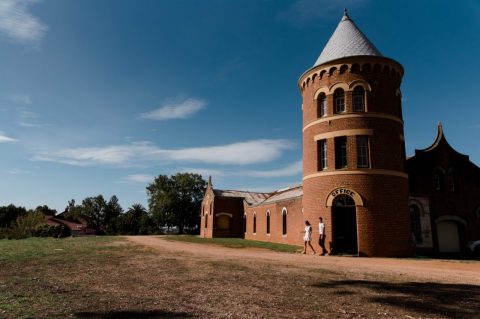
x: 20, y: 99
x: 175, y: 110
x: 139, y: 178
x: 241, y: 153
x: 18, y: 24
x: 290, y: 170
x: 6, y: 139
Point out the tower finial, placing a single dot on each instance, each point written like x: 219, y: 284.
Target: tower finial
x: 345, y: 14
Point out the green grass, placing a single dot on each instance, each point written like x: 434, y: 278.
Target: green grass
x: 235, y: 243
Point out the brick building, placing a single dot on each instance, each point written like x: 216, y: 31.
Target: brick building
x: 355, y: 169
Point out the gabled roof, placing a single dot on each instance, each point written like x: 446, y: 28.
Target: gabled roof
x: 255, y: 199
x: 440, y: 140
x: 285, y: 194
x: 346, y: 41
x: 252, y: 198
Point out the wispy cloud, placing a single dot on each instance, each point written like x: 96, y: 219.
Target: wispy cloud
x: 290, y: 170
x: 301, y: 12
x: 18, y: 24
x: 140, y: 153
x: 175, y: 110
x: 16, y: 171
x: 20, y: 98
x: 138, y: 178
x: 30, y: 119
x: 6, y: 139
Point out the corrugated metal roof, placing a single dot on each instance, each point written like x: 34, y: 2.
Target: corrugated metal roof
x: 347, y: 40
x: 280, y: 195
x: 252, y: 198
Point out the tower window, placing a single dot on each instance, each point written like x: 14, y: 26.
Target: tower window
x: 254, y: 223
x: 284, y: 221
x: 321, y: 105
x: 339, y: 100
x: 358, y: 98
x: 362, y: 152
x: 322, y: 154
x: 340, y: 152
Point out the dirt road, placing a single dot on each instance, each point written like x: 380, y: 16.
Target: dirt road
x: 445, y: 271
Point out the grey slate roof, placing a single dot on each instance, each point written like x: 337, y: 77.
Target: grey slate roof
x: 347, y: 40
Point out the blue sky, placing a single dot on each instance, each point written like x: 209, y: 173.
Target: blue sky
x: 98, y: 97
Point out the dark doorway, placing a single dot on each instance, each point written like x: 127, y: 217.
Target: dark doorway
x: 344, y: 225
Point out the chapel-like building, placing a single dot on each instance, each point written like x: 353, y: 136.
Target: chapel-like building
x: 355, y: 172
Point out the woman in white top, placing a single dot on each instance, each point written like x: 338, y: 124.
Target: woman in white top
x: 307, y: 238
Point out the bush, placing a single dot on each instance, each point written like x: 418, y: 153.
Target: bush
x: 59, y: 231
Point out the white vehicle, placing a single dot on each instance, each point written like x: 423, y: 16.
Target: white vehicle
x: 474, y: 246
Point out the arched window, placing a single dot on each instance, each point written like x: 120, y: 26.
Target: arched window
x: 284, y: 221
x: 254, y: 222
x: 358, y: 98
x: 206, y: 220
x: 245, y: 223
x: 268, y: 222
x: 339, y: 100
x: 416, y: 223
x: 321, y: 105
x: 453, y: 180
x: 438, y: 179
x: 343, y: 201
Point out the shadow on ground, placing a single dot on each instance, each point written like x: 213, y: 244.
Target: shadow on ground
x: 445, y: 300
x: 134, y: 314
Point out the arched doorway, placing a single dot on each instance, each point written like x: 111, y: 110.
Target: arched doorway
x: 448, y: 237
x: 344, y: 225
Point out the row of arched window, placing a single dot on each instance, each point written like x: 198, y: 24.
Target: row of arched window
x: 267, y: 222
x: 445, y: 181
x: 358, y: 102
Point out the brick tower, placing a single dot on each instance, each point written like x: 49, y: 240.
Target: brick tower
x: 354, y: 173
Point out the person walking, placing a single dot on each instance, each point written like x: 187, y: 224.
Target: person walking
x: 307, y: 238
x: 321, y: 240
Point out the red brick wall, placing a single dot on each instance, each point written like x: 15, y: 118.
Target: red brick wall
x: 295, y: 222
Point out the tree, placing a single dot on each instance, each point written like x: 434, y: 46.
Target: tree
x: 9, y: 214
x: 46, y: 210
x: 25, y: 225
x: 112, y: 212
x: 176, y: 200
x: 93, y: 210
x: 72, y: 212
x: 131, y: 221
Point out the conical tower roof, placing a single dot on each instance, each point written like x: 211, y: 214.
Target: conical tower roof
x: 346, y: 41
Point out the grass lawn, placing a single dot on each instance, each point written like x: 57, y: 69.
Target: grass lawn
x: 113, y: 278
x: 36, y: 274
x: 236, y: 243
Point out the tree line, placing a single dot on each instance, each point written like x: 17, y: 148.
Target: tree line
x: 173, y: 203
